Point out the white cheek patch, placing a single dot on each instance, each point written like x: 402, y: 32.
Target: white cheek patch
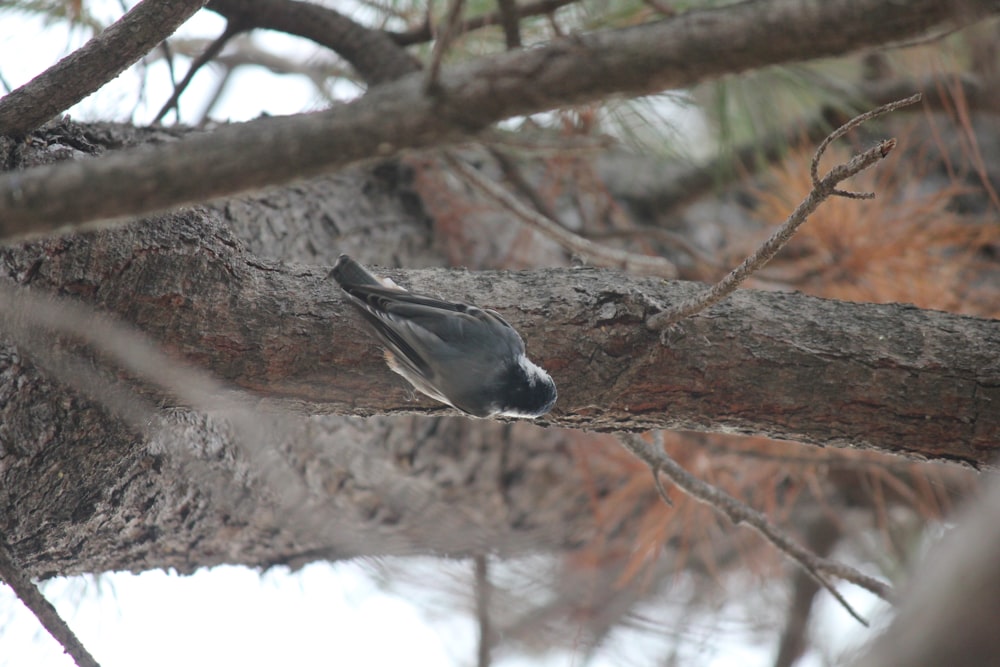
x: 532, y: 370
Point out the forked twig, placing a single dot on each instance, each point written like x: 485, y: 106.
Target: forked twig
x: 233, y: 28
x: 818, y: 568
x: 823, y: 189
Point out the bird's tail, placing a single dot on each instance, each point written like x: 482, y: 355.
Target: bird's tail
x: 348, y: 272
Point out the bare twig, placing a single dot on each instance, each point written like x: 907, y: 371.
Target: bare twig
x: 660, y: 489
x: 484, y: 590
x: 423, y: 32
x: 15, y: 577
x: 445, y: 34
x: 168, y: 58
x: 946, y: 617
x: 822, y: 535
x: 233, y: 28
x: 598, y: 254
x: 823, y: 189
x: 664, y: 192
x: 507, y: 9
x: 520, y: 184
x: 91, y: 66
x: 819, y: 184
x: 737, y: 512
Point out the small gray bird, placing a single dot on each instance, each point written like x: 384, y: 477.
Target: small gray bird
x: 467, y: 357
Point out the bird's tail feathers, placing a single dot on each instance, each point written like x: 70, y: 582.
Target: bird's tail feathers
x: 348, y: 272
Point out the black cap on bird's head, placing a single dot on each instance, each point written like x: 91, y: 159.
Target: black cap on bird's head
x: 529, y: 391
x: 465, y: 356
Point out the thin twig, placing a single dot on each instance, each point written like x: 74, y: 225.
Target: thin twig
x: 660, y: 489
x: 595, y: 253
x: 445, y: 35
x: 823, y: 189
x: 423, y: 32
x: 484, y: 590
x: 168, y: 58
x: 738, y: 512
x: 658, y: 443
x: 521, y: 185
x: 15, y: 577
x: 507, y: 9
x: 233, y: 28
x: 844, y: 129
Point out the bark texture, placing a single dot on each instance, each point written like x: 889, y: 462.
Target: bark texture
x: 85, y: 493
x: 88, y: 494
x: 892, y: 376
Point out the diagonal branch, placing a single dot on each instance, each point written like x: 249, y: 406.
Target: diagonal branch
x: 739, y: 513
x: 15, y: 577
x: 91, y: 66
x: 823, y: 189
x: 397, y: 115
x: 210, y: 52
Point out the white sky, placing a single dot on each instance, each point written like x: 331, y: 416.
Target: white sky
x: 324, y: 614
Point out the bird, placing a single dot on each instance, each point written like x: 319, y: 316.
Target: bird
x: 467, y: 357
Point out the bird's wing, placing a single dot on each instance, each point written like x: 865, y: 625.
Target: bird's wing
x: 450, y: 322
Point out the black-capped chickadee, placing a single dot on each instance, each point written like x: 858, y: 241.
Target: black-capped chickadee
x: 466, y: 357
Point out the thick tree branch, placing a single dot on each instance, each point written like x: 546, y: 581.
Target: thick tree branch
x: 892, y: 377
x: 636, y: 60
x: 94, y: 64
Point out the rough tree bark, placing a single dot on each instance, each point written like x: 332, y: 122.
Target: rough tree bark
x: 84, y: 493
x: 784, y: 365
x: 779, y: 364
x: 90, y: 495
